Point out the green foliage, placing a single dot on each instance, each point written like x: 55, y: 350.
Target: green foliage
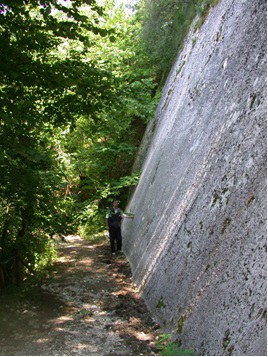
x: 76, y: 92
x: 77, y: 89
x: 160, y: 303
x: 79, y: 83
x: 101, y: 147
x: 203, y: 11
x: 173, y: 349
x: 168, y: 348
x: 180, y: 324
x: 90, y: 219
x: 42, y: 87
x: 165, y: 25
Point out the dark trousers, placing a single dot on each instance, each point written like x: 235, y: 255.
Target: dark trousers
x: 115, y: 236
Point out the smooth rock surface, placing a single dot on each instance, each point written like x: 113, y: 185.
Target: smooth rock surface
x: 197, y: 244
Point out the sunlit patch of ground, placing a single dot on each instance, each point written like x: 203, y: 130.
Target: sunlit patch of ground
x: 89, y: 307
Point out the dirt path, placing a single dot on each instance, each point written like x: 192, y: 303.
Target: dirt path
x: 90, y: 307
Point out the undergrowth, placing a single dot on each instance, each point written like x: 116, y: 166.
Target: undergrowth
x: 167, y: 347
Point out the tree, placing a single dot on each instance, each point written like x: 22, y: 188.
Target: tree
x: 44, y: 84
x: 102, y: 148
x: 76, y: 93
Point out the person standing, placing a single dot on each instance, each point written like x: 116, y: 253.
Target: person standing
x: 114, y: 218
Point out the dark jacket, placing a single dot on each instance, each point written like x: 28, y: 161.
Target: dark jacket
x: 114, y: 218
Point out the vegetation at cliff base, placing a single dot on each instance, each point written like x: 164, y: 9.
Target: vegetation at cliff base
x: 79, y: 82
x: 168, y: 347
x: 76, y: 96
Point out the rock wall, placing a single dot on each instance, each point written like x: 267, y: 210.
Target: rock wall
x: 197, y: 244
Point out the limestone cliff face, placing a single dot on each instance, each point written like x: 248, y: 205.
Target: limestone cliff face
x: 197, y: 244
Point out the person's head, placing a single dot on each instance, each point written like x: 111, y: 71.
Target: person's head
x: 115, y: 203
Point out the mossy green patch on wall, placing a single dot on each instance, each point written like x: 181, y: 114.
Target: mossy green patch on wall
x: 252, y: 198
x: 181, y: 66
x: 207, y: 268
x: 180, y: 324
x: 203, y: 10
x: 226, y: 223
x: 160, y: 303
x: 226, y: 339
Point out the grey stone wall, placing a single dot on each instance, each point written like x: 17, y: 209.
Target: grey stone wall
x: 197, y: 244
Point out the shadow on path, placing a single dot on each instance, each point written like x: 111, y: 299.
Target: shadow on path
x: 89, y: 307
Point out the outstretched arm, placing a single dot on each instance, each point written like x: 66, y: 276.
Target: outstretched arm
x: 125, y: 215
x: 107, y: 225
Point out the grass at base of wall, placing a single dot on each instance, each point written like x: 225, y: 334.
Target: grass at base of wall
x: 167, y: 347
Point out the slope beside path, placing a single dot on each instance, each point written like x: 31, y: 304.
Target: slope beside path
x: 89, y: 307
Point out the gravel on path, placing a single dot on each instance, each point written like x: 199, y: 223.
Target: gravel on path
x: 89, y: 307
